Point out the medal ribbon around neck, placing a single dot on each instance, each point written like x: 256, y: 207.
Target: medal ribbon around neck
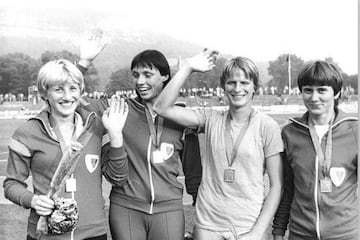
x: 155, y: 133
x: 324, y: 160
x: 60, y: 137
x: 232, y: 149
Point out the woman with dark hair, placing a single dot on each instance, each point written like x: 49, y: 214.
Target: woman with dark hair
x: 320, y: 162
x: 150, y: 204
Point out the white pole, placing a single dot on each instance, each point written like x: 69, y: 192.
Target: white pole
x: 289, y: 71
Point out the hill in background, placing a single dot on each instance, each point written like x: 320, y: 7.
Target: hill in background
x: 35, y: 31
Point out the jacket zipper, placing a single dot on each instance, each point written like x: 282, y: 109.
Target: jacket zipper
x: 317, y: 211
x: 316, y: 197
x: 317, y: 174
x: 51, y: 136
x: 150, y: 177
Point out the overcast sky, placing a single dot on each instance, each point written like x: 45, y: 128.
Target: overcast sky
x: 258, y: 29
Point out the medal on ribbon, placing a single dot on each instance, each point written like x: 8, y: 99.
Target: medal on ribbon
x: 324, y: 159
x: 229, y: 175
x: 232, y: 148
x: 325, y: 185
x: 157, y: 156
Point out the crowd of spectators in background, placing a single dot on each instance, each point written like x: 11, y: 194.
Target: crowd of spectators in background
x: 202, y: 92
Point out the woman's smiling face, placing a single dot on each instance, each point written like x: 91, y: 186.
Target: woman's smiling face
x: 239, y: 89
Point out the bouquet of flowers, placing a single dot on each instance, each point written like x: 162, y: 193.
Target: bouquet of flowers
x: 65, y: 216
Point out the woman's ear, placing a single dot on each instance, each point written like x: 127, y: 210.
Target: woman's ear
x: 165, y: 78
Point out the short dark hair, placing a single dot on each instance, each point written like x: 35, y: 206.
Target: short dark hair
x: 321, y: 73
x: 152, y: 59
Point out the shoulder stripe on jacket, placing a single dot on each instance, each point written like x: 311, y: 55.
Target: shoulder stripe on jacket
x: 105, y: 139
x: 19, y: 147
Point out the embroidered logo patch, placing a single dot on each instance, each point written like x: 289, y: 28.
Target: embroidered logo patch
x: 167, y: 150
x: 91, y: 162
x: 337, y: 175
x: 164, y: 153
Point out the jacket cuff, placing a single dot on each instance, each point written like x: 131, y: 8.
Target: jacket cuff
x: 81, y: 68
x: 278, y: 231
x: 26, y: 200
x: 117, y: 153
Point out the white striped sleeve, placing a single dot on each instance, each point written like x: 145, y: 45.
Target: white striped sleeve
x: 19, y: 147
x: 105, y: 139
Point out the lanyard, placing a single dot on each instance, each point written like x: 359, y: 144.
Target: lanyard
x: 60, y: 137
x: 155, y: 133
x: 232, y: 150
x: 324, y: 160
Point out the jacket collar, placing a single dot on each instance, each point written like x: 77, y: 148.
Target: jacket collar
x: 340, y: 117
x: 85, y: 116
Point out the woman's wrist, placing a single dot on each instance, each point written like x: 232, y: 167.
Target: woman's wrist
x: 84, y: 63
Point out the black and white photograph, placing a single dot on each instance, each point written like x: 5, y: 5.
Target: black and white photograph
x: 179, y: 120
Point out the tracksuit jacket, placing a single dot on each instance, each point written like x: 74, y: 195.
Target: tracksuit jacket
x: 35, y: 149
x: 152, y: 187
x: 312, y: 214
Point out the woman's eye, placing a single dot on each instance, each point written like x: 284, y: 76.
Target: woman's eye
x: 306, y: 90
x: 230, y: 83
x: 135, y: 75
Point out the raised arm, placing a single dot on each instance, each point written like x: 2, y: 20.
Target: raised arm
x: 164, y: 104
x: 114, y: 157
x: 91, y: 46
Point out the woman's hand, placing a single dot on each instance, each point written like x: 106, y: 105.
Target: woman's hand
x: 114, y: 119
x: 91, y: 46
x: 202, y: 62
x: 42, y: 204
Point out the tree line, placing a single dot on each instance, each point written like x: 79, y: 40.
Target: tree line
x: 19, y: 71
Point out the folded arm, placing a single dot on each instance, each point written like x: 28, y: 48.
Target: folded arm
x: 15, y: 188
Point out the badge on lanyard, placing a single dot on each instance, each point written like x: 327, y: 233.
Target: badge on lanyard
x: 325, y: 185
x: 229, y: 175
x: 70, y: 185
x: 158, y: 156
x: 155, y: 135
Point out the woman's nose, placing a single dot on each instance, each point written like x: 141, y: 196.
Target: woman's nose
x: 140, y: 80
x: 67, y: 94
